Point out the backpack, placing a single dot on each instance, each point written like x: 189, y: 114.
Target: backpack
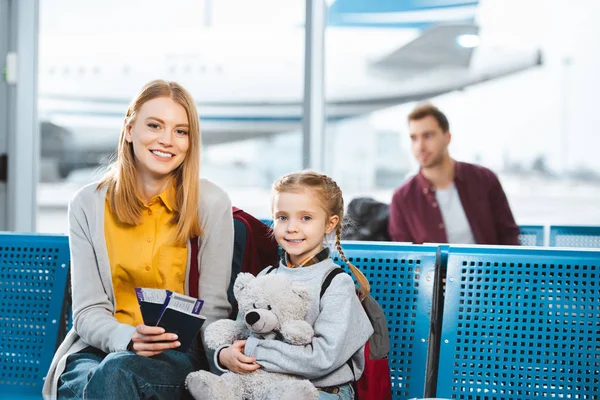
x: 366, y: 219
x: 375, y: 382
x: 254, y: 247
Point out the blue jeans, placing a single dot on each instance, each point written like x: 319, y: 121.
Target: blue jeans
x: 346, y: 393
x: 92, y: 374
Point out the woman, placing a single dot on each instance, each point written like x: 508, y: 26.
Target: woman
x: 134, y: 229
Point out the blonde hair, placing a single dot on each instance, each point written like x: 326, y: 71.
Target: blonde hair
x: 330, y: 197
x: 122, y: 192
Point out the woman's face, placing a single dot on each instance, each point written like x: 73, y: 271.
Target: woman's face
x: 160, y: 138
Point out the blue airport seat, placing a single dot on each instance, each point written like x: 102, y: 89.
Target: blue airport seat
x: 33, y: 276
x: 443, y: 250
x: 575, y: 236
x: 520, y: 324
x: 531, y: 235
x: 268, y: 222
x: 401, y: 278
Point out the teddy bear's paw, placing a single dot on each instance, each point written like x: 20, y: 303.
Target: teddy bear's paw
x: 292, y: 390
x: 206, y: 386
x: 221, y: 332
x: 297, y: 332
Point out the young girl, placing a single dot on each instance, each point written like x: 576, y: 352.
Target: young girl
x: 134, y: 228
x: 307, y: 208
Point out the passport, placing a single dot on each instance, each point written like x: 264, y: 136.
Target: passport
x: 175, y: 312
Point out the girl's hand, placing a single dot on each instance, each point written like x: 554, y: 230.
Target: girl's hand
x: 234, y: 359
x: 152, y: 340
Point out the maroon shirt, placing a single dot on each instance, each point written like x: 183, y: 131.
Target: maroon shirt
x: 416, y: 217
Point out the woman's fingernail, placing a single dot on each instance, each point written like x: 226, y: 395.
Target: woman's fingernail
x: 177, y: 344
x: 173, y: 337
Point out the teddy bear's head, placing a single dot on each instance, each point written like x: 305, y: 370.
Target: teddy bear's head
x: 269, y: 301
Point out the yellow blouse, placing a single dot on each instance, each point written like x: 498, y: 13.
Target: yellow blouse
x: 143, y: 256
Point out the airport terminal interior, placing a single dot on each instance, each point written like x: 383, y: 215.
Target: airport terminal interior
x: 287, y: 85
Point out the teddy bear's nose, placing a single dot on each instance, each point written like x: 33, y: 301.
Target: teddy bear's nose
x: 252, y: 317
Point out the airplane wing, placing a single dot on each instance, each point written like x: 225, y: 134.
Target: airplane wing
x: 435, y: 47
x: 442, y: 59
x: 455, y: 47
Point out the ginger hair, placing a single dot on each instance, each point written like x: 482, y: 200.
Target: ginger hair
x: 123, y: 196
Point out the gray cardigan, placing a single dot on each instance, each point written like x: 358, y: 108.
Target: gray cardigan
x: 94, y: 323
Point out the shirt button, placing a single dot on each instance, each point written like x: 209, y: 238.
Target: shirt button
x: 441, y: 226
x: 424, y: 190
x: 147, y: 268
x: 434, y: 204
x: 149, y: 240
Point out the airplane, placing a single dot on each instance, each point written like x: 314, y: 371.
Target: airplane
x: 249, y: 84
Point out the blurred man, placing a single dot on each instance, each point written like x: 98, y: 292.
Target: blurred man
x: 448, y: 201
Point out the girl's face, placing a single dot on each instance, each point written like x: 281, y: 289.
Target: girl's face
x: 300, y: 224
x: 160, y: 138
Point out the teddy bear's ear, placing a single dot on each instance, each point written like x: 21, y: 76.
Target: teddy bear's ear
x: 301, y: 291
x: 241, y: 282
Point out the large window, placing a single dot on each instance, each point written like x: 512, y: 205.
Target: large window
x: 517, y: 84
x: 242, y: 61
x: 515, y: 78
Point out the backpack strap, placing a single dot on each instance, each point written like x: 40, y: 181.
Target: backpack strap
x: 351, y: 365
x: 329, y: 278
x: 335, y: 272
x: 271, y: 269
x: 194, y: 273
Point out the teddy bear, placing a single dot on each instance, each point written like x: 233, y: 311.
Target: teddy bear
x: 271, y: 307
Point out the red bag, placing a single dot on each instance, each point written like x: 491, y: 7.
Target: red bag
x: 375, y: 382
x: 254, y: 248
x: 257, y: 242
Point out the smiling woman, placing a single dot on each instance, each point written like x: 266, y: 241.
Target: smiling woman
x: 159, y: 148
x: 151, y: 202
x: 160, y: 141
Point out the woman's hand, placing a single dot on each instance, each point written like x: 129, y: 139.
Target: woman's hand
x: 152, y: 340
x: 234, y: 359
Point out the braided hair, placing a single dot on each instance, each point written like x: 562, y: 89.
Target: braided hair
x: 329, y: 195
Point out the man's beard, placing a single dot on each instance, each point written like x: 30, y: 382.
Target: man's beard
x: 434, y: 162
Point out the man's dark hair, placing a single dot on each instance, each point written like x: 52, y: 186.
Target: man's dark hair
x: 427, y: 110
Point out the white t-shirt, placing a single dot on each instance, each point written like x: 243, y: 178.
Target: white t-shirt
x: 457, y: 226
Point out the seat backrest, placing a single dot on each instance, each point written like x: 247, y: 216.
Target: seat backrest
x: 268, y: 222
x: 401, y: 278
x: 33, y: 276
x: 531, y: 235
x: 520, y: 323
x: 575, y: 236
